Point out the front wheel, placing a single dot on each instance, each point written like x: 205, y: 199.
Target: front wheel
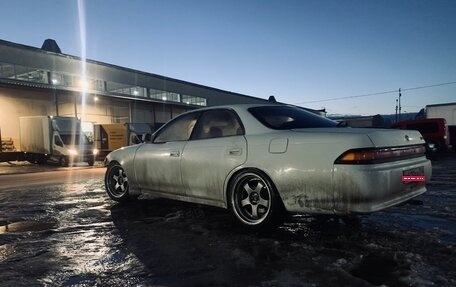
x: 91, y: 162
x: 116, y: 183
x: 64, y: 161
x: 254, y: 201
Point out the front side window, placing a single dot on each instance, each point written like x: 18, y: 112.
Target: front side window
x: 288, y: 117
x: 58, y: 141
x: 218, y: 123
x: 179, y: 129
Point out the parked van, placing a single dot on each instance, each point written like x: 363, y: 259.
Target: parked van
x: 434, y: 131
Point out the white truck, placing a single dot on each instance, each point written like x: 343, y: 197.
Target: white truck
x: 55, y: 138
x: 448, y: 112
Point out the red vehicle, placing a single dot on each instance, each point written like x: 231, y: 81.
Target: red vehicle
x: 434, y: 131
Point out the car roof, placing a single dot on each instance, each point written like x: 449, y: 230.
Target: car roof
x: 241, y: 106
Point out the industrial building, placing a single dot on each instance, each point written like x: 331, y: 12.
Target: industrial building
x: 44, y: 81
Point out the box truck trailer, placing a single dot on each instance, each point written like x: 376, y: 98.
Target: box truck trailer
x: 109, y: 137
x: 448, y: 112
x: 55, y: 138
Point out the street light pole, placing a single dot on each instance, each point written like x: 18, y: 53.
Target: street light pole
x: 396, y: 110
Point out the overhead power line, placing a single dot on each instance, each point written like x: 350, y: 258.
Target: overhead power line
x: 376, y: 94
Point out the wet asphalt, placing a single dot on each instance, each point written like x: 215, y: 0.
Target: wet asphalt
x: 72, y: 234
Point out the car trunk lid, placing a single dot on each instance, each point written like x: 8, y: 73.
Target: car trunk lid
x: 378, y: 137
x: 384, y: 138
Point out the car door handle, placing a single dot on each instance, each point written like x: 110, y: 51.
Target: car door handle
x: 236, y: 151
x: 175, y: 153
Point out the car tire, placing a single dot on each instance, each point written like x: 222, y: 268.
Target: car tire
x: 91, y: 162
x: 254, y: 201
x: 116, y: 183
x: 64, y: 161
x: 41, y: 160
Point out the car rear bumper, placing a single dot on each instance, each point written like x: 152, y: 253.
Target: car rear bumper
x: 369, y: 188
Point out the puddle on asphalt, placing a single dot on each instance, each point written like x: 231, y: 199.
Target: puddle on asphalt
x: 26, y: 226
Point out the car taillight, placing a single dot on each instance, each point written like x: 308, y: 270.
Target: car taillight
x: 379, y: 155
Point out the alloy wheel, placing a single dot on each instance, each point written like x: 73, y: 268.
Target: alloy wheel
x: 117, y: 182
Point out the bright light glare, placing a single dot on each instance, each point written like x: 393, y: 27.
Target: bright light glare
x: 84, y: 85
x: 82, y: 38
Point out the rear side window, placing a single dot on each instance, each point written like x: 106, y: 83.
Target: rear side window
x: 217, y: 123
x: 286, y: 117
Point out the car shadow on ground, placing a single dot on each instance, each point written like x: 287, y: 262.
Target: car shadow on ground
x: 184, y: 244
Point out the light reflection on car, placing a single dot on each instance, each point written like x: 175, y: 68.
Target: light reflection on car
x: 264, y: 161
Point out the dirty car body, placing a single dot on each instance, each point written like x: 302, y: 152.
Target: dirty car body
x: 262, y: 161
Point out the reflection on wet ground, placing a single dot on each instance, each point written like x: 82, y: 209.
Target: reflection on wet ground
x: 22, y: 167
x: 73, y: 235
x: 24, y: 226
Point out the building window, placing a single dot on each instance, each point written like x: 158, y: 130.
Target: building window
x: 75, y: 81
x: 7, y: 71
x: 11, y: 71
x: 164, y: 95
x: 126, y: 89
x: 23, y: 73
x: 192, y: 100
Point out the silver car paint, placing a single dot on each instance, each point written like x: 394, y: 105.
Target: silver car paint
x: 300, y: 163
x: 158, y: 167
x: 206, y: 164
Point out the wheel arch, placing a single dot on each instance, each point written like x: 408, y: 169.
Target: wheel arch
x: 112, y: 162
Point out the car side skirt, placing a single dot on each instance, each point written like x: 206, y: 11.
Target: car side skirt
x: 185, y: 198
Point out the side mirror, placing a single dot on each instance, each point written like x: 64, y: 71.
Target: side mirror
x: 146, y: 137
x: 342, y: 124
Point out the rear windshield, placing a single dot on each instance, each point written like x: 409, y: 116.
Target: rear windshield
x: 286, y: 117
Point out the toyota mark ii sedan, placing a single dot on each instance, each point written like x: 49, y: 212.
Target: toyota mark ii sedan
x: 262, y: 161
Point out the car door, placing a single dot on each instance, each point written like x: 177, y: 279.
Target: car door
x: 216, y: 147
x: 157, y: 164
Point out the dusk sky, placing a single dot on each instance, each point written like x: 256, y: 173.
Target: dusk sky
x: 299, y: 51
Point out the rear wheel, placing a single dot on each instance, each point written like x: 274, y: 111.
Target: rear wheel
x: 41, y: 160
x: 116, y: 183
x: 254, y: 201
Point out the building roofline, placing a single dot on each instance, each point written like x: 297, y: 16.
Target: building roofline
x: 165, y: 78
x: 440, y: 105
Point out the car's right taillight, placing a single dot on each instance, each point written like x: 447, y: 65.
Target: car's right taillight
x: 380, y: 155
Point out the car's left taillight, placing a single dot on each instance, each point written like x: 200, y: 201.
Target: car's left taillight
x: 380, y: 155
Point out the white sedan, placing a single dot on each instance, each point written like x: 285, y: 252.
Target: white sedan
x: 261, y: 161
